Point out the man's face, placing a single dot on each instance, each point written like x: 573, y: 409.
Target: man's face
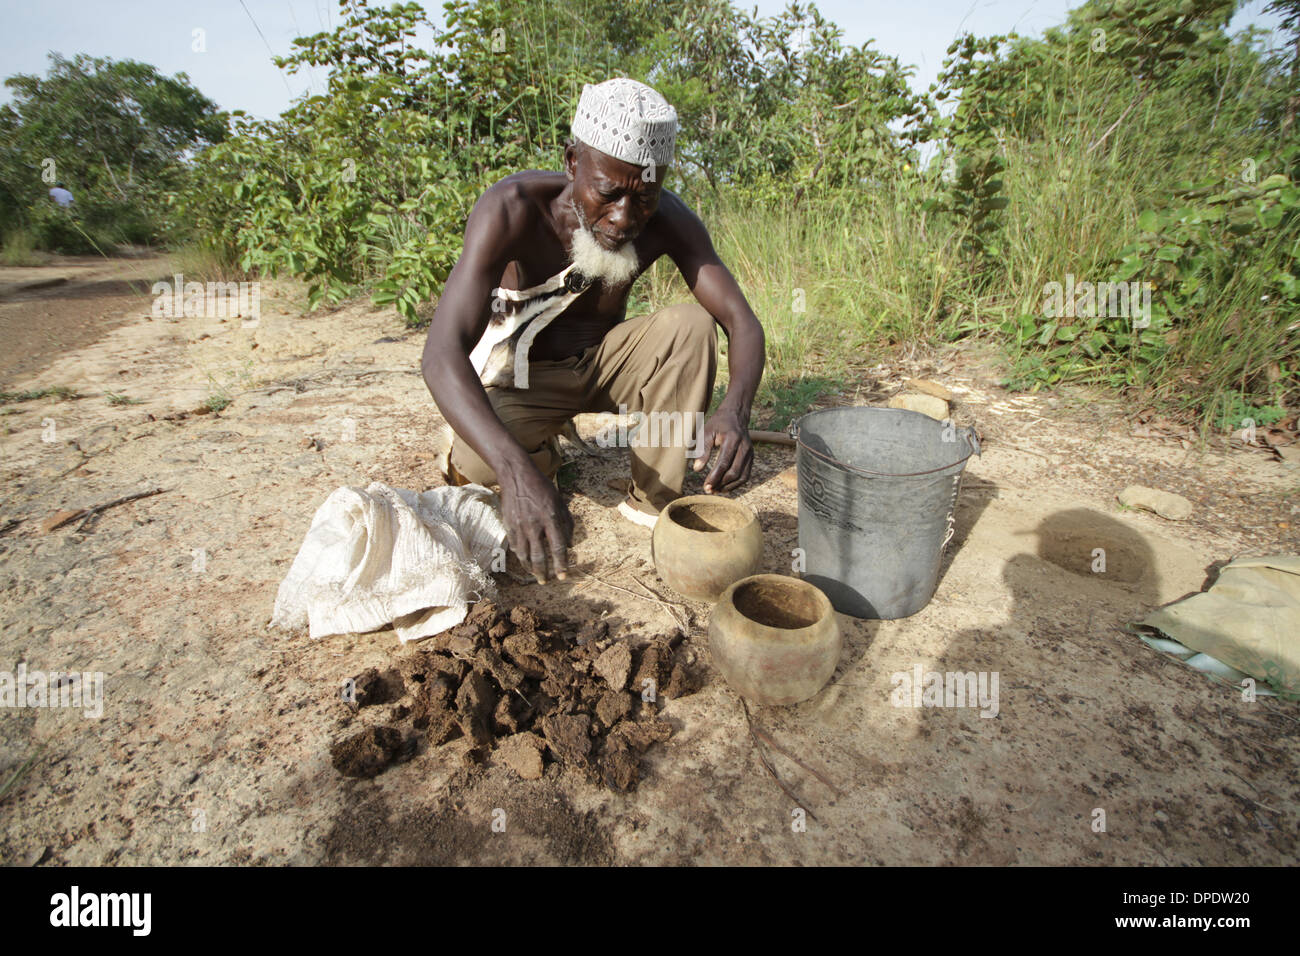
x: 613, y: 198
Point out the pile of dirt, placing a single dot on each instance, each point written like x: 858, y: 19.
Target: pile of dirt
x: 520, y: 688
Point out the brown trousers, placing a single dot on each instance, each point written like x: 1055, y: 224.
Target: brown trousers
x: 663, y: 363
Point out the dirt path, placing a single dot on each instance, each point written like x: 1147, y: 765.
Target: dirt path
x: 214, y: 741
x: 50, y: 311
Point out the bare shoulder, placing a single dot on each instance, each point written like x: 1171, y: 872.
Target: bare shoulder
x: 515, y: 200
x: 674, y: 212
x: 679, y: 232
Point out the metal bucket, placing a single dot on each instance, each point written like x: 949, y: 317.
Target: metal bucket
x: 877, y: 492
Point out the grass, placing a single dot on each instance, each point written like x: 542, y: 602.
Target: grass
x: 116, y: 399
x: 219, y: 389
x: 19, y: 249
x: 18, y: 774
x: 202, y: 263
x: 58, y: 391
x: 791, y: 398
x: 840, y: 284
x: 836, y: 285
x: 1232, y: 411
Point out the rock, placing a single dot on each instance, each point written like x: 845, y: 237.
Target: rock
x: 681, y: 683
x: 504, y: 720
x: 619, y: 765
x: 929, y: 388
x: 589, y: 631
x: 643, y: 733
x: 524, y: 618
x: 459, y: 644
x: 483, y: 616
x: 652, y: 672
x: 528, y: 689
x: 371, y: 687
x: 435, y: 711
x: 569, y: 737
x: 368, y: 753
x: 1164, y: 503
x: 505, y: 674
x: 38, y: 856
x: 614, y: 664
x: 613, y: 706
x: 475, y: 703
x: 936, y: 408
x: 522, y: 753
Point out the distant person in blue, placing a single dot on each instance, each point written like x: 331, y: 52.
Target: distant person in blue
x: 61, y: 195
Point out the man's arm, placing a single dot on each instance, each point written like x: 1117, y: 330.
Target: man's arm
x: 535, y: 517
x: 716, y: 290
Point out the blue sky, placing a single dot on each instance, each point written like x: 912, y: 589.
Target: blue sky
x: 235, y: 68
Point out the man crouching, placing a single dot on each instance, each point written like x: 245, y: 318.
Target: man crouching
x: 530, y: 328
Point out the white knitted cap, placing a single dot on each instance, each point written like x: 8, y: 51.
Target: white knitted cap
x: 628, y: 120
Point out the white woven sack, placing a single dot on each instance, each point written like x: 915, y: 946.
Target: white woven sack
x: 391, y: 556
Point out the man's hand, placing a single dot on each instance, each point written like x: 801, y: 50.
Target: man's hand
x: 730, y: 436
x: 536, y: 519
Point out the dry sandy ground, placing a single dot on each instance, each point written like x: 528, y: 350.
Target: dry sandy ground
x: 213, y: 744
x: 46, y: 311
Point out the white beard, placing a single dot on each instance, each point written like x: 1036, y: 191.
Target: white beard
x: 613, y: 268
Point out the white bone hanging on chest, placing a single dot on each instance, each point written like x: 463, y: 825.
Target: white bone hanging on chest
x: 501, y: 356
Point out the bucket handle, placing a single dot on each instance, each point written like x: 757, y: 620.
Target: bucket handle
x: 967, y: 432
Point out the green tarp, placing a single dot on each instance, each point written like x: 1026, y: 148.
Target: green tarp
x: 1248, y: 620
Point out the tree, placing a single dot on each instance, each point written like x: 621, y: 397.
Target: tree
x: 115, y: 131
x: 1289, y: 10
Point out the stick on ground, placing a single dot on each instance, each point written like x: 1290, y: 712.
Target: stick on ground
x: 768, y: 766
x: 767, y: 739
x: 87, y: 513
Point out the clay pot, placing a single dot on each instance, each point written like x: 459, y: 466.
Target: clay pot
x: 702, y: 543
x: 775, y: 639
